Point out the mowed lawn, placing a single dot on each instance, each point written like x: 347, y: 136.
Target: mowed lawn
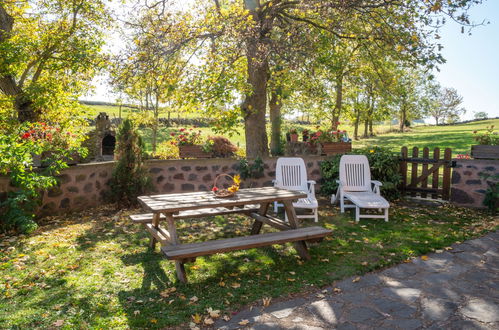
x: 94, y: 270
x: 457, y: 137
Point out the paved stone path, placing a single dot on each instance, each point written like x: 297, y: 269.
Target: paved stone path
x: 455, y: 289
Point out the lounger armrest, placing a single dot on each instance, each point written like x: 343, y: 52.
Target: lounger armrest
x: 311, y: 188
x: 311, y: 182
x: 376, y: 183
x: 274, y: 182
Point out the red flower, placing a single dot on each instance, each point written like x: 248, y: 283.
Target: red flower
x: 172, y: 134
x: 182, y: 129
x: 215, y: 189
x: 49, y: 136
x: 26, y: 135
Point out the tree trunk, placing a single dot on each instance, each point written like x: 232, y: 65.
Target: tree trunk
x: 356, y: 124
x: 275, y: 105
x: 339, y: 101
x: 371, y: 132
x: 402, y: 117
x: 255, y: 103
x: 436, y: 121
x: 366, y: 128
x: 155, y: 124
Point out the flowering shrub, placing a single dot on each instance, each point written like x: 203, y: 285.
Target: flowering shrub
x: 490, y: 137
x: 219, y: 146
x: 187, y: 137
x: 167, y: 150
x: 330, y: 135
x: 18, y: 146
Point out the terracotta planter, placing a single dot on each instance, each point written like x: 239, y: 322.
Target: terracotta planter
x: 485, y: 152
x: 333, y: 148
x: 192, y: 151
x: 294, y: 137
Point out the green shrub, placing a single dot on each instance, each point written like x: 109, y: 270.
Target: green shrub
x: 19, y: 146
x: 384, y: 167
x: 129, y: 178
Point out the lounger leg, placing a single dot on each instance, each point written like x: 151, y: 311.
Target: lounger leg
x: 342, y: 204
x: 386, y: 215
x: 316, y: 215
x: 276, y: 208
x: 357, y: 214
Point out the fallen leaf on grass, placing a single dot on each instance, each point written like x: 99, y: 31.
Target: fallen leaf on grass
x: 291, y: 279
x: 337, y: 290
x: 194, y: 299
x: 243, y: 322
x: 364, y: 263
x: 226, y: 318
x: 424, y: 258
x: 193, y: 326
x: 236, y: 285
x: 320, y: 296
x: 154, y: 321
x: 221, y: 283
x: 266, y: 301
x: 355, y: 280
x: 208, y: 321
x: 213, y: 312
x: 58, y: 323
x: 196, y: 318
x: 136, y: 312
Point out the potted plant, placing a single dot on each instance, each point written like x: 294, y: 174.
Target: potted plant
x: 189, y: 144
x: 488, y: 144
x: 305, y: 135
x: 293, y: 135
x: 332, y: 141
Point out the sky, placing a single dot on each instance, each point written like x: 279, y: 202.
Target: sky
x: 472, y: 63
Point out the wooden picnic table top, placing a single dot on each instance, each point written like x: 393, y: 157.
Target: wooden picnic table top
x: 172, y: 203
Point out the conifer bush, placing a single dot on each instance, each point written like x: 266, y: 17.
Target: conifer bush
x: 129, y: 178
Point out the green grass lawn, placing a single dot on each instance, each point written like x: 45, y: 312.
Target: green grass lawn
x: 93, y: 269
x: 457, y: 137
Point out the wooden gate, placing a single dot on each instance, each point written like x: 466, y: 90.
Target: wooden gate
x: 426, y: 178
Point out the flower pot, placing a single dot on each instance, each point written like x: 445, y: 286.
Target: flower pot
x: 483, y: 151
x: 332, y: 148
x: 192, y: 151
x: 294, y: 137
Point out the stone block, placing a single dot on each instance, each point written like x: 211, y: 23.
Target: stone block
x: 160, y: 179
x: 187, y: 187
x: 168, y: 187
x: 460, y: 196
x: 73, y: 189
x: 179, y: 176
x: 473, y: 181
x: 172, y: 169
x: 207, y: 178
x: 201, y: 168
x: 64, y: 178
x: 81, y: 177
x: 64, y: 203
x: 193, y: 177
x: 490, y: 168
x: 155, y: 170
x: 80, y: 201
x: 89, y: 187
x: 456, y: 177
x: 54, y: 192
x: 215, y: 167
x: 202, y: 187
x: 92, y: 175
x: 185, y: 168
x: 103, y: 174
x: 98, y: 185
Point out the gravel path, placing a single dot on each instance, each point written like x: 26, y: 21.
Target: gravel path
x: 454, y: 289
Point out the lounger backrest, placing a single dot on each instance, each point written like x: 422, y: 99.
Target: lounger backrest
x: 355, y: 174
x: 291, y: 173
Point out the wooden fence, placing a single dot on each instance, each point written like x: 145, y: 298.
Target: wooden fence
x: 428, y: 177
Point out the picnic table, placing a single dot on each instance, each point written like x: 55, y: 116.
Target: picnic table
x: 253, y: 202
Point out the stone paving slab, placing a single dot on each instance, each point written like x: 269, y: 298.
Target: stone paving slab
x: 456, y: 289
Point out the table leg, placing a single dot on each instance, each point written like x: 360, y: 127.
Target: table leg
x: 300, y: 246
x: 155, y: 223
x: 179, y: 266
x: 257, y: 225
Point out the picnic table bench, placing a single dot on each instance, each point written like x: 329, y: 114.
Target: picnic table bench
x: 253, y: 202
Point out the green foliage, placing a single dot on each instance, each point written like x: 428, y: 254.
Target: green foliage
x: 129, y: 178
x: 491, y: 199
x: 19, y: 146
x: 489, y: 137
x: 248, y: 169
x: 384, y: 167
x: 167, y: 150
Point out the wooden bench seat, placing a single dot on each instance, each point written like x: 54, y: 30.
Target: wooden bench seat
x: 186, y: 251
x: 199, y: 213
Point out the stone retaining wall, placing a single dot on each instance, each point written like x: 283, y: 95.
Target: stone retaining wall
x: 468, y: 187
x: 86, y: 185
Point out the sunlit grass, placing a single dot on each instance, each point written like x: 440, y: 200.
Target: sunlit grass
x: 93, y: 269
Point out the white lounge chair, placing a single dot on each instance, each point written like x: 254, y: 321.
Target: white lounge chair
x: 291, y: 173
x: 356, y: 186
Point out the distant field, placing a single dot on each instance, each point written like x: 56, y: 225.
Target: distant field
x: 457, y: 137
x: 113, y: 111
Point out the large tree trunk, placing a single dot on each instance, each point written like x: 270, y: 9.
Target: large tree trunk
x: 338, y: 102
x: 356, y: 124
x: 403, y: 117
x: 275, y: 105
x: 8, y: 85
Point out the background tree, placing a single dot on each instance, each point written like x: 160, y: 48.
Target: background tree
x: 50, y: 51
x: 481, y: 115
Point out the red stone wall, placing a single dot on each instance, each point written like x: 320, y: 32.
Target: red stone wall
x: 468, y: 186
x: 87, y: 185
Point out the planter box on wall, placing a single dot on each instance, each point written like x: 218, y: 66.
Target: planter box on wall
x: 194, y: 151
x: 485, y: 152
x: 332, y: 148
